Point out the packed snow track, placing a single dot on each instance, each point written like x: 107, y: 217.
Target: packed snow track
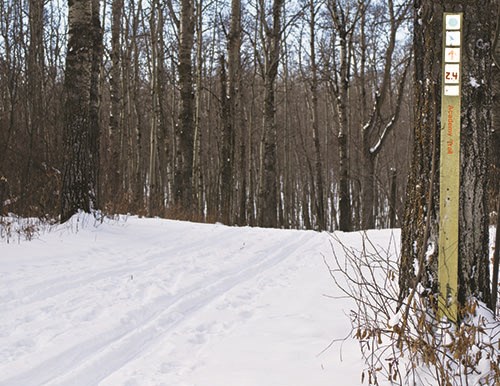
x: 156, y: 302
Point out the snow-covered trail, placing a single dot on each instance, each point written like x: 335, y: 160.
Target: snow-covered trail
x: 155, y: 302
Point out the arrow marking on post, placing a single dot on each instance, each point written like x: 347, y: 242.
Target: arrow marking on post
x: 452, y: 54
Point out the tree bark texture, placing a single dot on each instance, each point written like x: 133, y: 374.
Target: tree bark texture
x: 185, y: 129
x: 495, y: 109
x: 343, y: 21
x: 36, y: 129
x: 475, y: 125
x: 268, y: 193
x: 154, y: 188
x: 138, y: 186
x: 95, y: 103
x: 345, y: 215
x: 236, y: 113
x: 474, y: 279
x: 197, y: 137
x: 393, y: 197
x: 115, y: 86
x: 79, y: 185
x: 318, y: 165
x: 227, y: 146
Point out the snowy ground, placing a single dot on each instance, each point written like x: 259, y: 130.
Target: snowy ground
x: 155, y: 302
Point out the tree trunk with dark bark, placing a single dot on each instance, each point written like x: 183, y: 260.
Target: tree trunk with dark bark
x: 227, y: 146
x: 183, y: 184
x: 318, y: 164
x: 495, y: 107
x: 393, y: 197
x: 115, y: 90
x: 79, y: 184
x: 268, y: 190
x: 95, y: 103
x: 36, y: 101
x: 236, y: 113
x: 423, y: 199
x: 236, y: 109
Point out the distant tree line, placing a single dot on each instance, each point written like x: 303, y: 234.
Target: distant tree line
x: 263, y: 112
x: 260, y: 112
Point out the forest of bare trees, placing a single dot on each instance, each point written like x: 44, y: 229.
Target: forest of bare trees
x: 293, y: 114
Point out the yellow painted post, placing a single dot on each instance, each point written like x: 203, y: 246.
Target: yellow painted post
x: 449, y: 171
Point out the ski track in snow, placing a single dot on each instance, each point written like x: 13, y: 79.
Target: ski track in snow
x: 133, y: 302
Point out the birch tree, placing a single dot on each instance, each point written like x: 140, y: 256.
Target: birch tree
x: 344, y: 16
x: 79, y: 184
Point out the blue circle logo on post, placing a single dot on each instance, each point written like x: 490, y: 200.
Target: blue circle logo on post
x: 453, y: 22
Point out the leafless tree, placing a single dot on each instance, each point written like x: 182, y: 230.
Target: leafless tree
x: 183, y: 183
x: 79, y: 184
x: 271, y: 40
x: 379, y: 123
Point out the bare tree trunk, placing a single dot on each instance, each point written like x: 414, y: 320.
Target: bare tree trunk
x: 392, y: 198
x: 345, y: 213
x: 496, y: 261
x: 318, y: 167
x: 345, y: 223
x: 473, y: 275
x: 495, y: 106
x: 36, y: 110
x: 288, y: 191
x: 227, y: 146
x: 368, y: 186
x: 185, y: 130
x: 4, y: 194
x: 129, y: 118
x: 253, y: 195
x: 414, y: 241
x: 115, y: 119
x: 197, y: 169
x: 95, y: 102
x: 232, y: 122
x: 344, y: 20
x: 494, y: 170
x: 155, y: 116
x: 268, y: 192
x: 79, y: 184
x: 138, y: 158
x: 163, y: 145
x: 236, y: 113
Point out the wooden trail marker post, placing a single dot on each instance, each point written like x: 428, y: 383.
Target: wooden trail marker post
x: 449, y: 170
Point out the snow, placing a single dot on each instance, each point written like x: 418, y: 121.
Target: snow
x: 158, y: 302
x: 474, y: 83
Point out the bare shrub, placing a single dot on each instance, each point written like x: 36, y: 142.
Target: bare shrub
x: 17, y: 229
x: 406, y: 344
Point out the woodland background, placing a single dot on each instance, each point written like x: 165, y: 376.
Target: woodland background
x: 218, y: 110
